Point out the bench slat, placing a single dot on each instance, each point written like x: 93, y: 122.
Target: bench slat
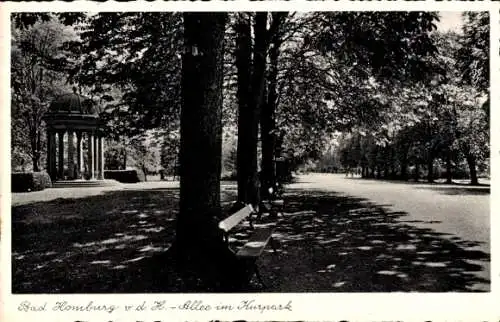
x: 233, y: 220
x: 256, y: 243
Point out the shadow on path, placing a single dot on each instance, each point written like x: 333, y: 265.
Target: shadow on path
x: 348, y: 244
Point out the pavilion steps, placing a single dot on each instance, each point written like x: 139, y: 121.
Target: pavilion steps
x: 85, y: 183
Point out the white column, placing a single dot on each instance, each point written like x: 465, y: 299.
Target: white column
x: 91, y: 156
x: 79, y: 154
x: 95, y: 155
x: 60, y: 161
x: 100, y: 157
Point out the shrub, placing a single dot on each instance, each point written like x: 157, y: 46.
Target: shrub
x: 30, y: 181
x: 124, y: 176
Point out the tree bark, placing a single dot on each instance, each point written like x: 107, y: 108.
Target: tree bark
x: 430, y: 170
x: 417, y: 172
x: 36, y: 150
x: 124, y: 157
x: 199, y: 246
x: 404, y: 161
x: 243, y: 65
x: 449, y: 177
x: 404, y: 169
x: 248, y: 135
x: 471, y: 161
x: 267, y: 121
x: 393, y: 163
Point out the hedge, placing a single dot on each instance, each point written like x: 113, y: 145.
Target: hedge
x: 124, y: 176
x: 30, y: 181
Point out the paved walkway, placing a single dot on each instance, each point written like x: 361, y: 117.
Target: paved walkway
x: 456, y: 210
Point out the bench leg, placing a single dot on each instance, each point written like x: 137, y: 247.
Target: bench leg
x: 273, y: 244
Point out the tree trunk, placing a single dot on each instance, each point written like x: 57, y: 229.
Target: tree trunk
x: 471, y: 161
x: 248, y: 182
x: 449, y: 177
x: 243, y: 65
x: 430, y: 170
x: 36, y: 161
x: 417, y: 172
x: 36, y: 153
x: 199, y: 246
x: 124, y: 158
x: 267, y: 121
x: 404, y: 169
x: 393, y: 163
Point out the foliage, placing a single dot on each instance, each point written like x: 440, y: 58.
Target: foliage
x: 440, y: 119
x: 35, y: 51
x: 229, y: 156
x: 341, y: 71
x: 144, y: 154
x: 473, y: 58
x: 124, y: 176
x: 169, y: 154
x: 115, y: 155
x: 131, y: 63
x: 387, y: 45
x: 30, y: 181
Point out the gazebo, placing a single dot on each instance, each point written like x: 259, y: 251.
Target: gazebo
x: 74, y: 115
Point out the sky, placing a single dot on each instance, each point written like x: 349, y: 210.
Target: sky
x: 450, y: 21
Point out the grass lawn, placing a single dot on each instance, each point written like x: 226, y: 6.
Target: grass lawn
x: 114, y: 242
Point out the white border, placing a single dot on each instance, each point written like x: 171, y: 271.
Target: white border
x: 307, y: 306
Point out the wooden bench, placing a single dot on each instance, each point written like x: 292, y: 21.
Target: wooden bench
x: 254, y: 247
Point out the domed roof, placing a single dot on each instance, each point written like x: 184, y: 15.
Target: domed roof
x: 72, y: 103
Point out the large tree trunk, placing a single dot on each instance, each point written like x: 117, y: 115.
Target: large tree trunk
x: 248, y: 136
x: 268, y: 122
x: 199, y: 246
x: 471, y: 161
x: 243, y: 65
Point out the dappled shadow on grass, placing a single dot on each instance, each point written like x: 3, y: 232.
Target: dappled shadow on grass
x: 346, y: 244
x: 90, y: 244
x: 113, y: 242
